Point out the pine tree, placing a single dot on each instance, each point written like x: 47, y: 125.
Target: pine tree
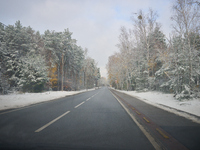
x: 33, y: 73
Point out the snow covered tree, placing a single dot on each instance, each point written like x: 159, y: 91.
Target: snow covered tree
x: 147, y: 62
x: 180, y: 70
x: 126, y: 54
x: 144, y: 26
x: 33, y: 73
x: 91, y: 72
x: 32, y: 62
x: 4, y: 85
x: 140, y: 50
x: 186, y: 26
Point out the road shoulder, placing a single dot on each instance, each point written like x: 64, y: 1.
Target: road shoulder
x: 171, y: 130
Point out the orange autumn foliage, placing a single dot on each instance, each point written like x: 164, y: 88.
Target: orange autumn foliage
x: 53, y: 76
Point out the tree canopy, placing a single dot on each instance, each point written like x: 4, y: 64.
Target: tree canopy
x: 33, y: 62
x: 148, y: 60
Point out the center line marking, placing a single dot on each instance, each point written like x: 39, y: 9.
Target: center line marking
x: 92, y: 96
x: 138, y: 112
x: 146, y: 119
x: 88, y: 99
x: 48, y: 124
x: 163, y: 134
x: 79, y: 105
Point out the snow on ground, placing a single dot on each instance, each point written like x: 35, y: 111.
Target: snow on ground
x: 20, y: 100
x: 169, y: 103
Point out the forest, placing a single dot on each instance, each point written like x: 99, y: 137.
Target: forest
x: 34, y: 62
x: 150, y: 60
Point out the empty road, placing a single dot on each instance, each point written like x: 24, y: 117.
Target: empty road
x: 94, y: 120
x: 90, y: 120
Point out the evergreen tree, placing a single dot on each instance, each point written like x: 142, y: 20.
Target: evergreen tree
x: 32, y: 62
x: 33, y: 73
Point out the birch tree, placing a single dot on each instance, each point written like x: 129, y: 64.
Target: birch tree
x: 186, y: 26
x: 126, y: 54
x: 144, y: 25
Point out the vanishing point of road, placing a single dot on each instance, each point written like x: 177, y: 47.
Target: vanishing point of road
x: 98, y: 119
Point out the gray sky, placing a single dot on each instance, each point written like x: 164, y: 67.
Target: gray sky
x: 95, y: 23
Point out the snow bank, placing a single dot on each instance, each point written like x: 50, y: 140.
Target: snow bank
x: 20, y: 100
x: 167, y: 101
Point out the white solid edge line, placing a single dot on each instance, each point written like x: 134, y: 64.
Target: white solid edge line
x: 149, y: 137
x: 48, y: 124
x: 79, y: 105
x: 184, y: 114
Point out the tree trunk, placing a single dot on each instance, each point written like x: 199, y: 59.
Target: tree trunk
x: 62, y: 73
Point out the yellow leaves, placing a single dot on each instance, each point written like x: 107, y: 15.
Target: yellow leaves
x: 53, y: 76
x: 151, y: 63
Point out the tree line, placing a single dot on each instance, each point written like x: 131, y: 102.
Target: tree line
x: 34, y: 62
x: 148, y: 60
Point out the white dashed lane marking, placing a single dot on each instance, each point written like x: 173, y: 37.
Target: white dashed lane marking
x: 48, y: 124
x: 79, y: 104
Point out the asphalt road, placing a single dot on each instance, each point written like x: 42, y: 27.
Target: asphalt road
x: 176, y: 132
x: 90, y: 120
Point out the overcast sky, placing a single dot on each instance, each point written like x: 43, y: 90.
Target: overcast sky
x: 95, y: 23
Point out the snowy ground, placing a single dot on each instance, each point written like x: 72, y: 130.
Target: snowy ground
x: 20, y: 100
x: 169, y: 103
x: 158, y: 99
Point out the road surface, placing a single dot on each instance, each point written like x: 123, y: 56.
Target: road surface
x: 95, y: 120
x: 91, y: 120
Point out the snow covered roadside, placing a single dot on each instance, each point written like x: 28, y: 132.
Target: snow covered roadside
x: 21, y: 100
x: 167, y: 101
